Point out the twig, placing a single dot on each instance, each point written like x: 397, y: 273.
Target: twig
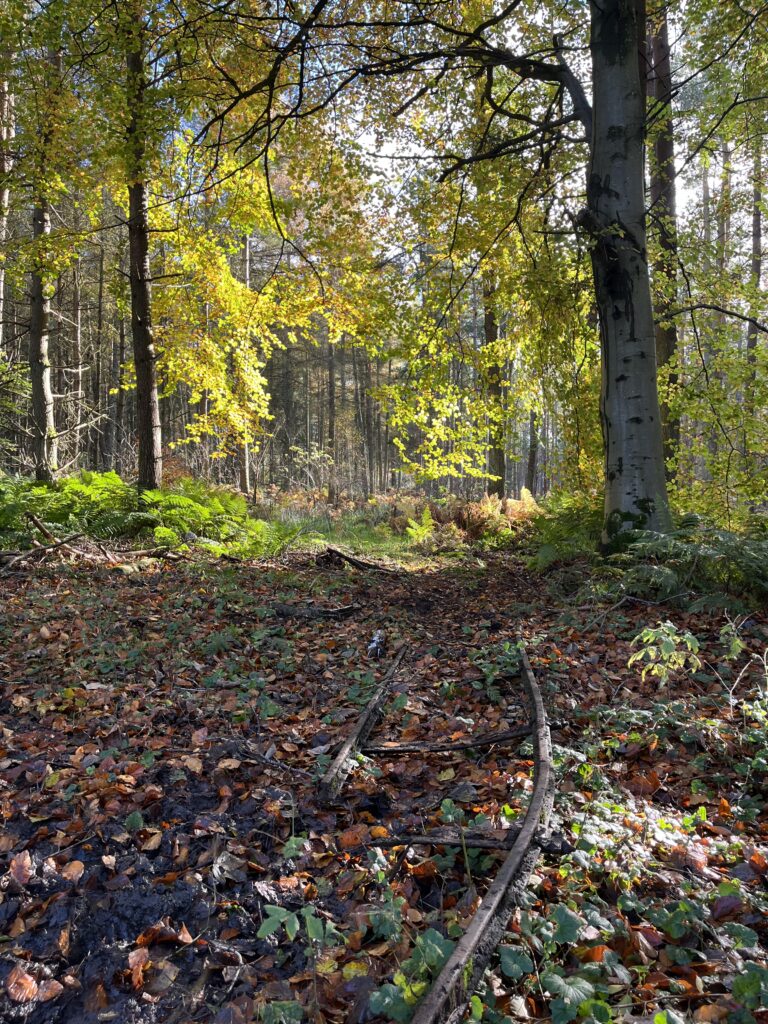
x: 309, y: 612
x: 334, y: 777
x: 447, y: 745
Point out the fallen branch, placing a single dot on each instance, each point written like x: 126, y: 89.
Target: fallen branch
x: 447, y: 745
x: 41, y: 527
x: 466, y: 965
x: 334, y: 555
x: 42, y: 551
x: 476, y: 839
x: 334, y: 778
x: 310, y: 612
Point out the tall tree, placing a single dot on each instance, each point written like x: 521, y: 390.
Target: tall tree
x: 139, y: 270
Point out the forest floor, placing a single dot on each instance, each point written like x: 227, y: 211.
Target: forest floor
x: 163, y: 730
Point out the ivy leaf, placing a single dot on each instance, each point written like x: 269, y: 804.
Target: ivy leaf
x: 514, y: 962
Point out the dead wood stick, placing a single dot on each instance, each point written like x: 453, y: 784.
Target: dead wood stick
x: 475, y: 839
x: 308, y: 612
x: 41, y: 527
x: 25, y: 556
x: 339, y: 769
x: 479, y: 741
x: 357, y: 563
x: 466, y: 965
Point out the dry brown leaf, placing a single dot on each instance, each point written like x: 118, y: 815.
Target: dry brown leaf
x: 22, y: 868
x: 49, y: 989
x: 73, y: 871
x: 20, y: 986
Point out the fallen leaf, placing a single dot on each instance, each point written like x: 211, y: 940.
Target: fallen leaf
x: 20, y: 986
x: 73, y: 871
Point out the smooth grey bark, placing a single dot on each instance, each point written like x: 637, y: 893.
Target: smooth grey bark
x: 497, y: 459
x: 664, y: 210
x: 44, y: 438
x: 140, y: 277
x: 635, y: 485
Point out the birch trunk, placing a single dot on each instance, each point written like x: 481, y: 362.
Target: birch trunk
x: 635, y: 488
x: 44, y: 438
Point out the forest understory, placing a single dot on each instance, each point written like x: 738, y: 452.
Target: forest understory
x: 168, y: 856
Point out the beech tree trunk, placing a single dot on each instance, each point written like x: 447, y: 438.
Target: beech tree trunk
x: 635, y: 485
x: 664, y: 210
x: 144, y: 355
x: 44, y: 438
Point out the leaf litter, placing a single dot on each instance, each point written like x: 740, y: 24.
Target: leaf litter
x: 165, y: 854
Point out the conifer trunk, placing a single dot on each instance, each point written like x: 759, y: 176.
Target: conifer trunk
x: 144, y: 355
x: 497, y: 462
x: 635, y: 490
x: 664, y: 208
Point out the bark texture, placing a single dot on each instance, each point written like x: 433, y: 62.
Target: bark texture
x: 635, y: 492
x: 43, y: 423
x: 664, y: 210
x: 497, y: 460
x: 144, y: 355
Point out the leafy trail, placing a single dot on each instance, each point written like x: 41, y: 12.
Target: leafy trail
x: 165, y: 856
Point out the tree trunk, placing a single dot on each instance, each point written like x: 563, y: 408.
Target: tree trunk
x: 144, y: 356
x: 43, y: 424
x: 756, y: 269
x: 533, y: 452
x: 497, y: 463
x: 635, y: 485
x: 333, y: 495
x: 664, y: 210
x: 76, y: 394
x: 7, y: 131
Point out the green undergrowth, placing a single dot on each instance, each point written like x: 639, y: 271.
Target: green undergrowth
x: 699, y: 563
x: 190, y: 513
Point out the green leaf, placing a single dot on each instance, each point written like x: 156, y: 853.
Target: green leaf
x: 751, y: 987
x: 291, y: 926
x: 515, y: 962
x: 574, y: 990
x: 568, y: 924
x: 742, y: 936
x: 388, y: 1002
x: 268, y: 927
x: 314, y: 927
x: 562, y: 1012
x: 134, y: 821
x: 476, y: 1008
